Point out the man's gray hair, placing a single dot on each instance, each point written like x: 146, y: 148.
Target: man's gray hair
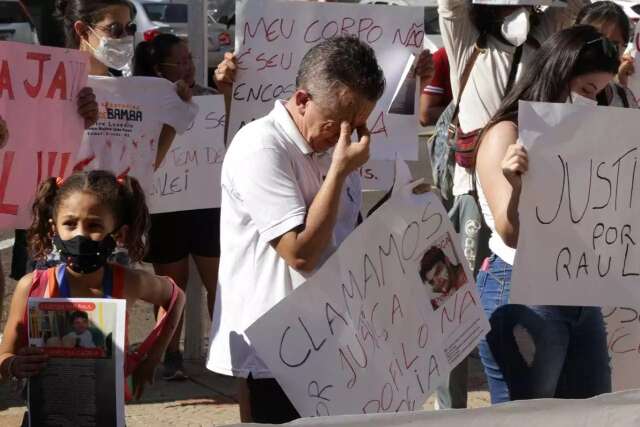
x: 341, y: 62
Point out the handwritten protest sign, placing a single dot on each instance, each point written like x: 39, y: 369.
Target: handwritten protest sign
x: 377, y: 175
x: 272, y: 37
x: 38, y: 90
x: 381, y: 324
x: 189, y: 176
x: 579, y: 229
x: 623, y: 330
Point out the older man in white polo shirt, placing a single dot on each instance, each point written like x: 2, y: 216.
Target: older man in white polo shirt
x: 287, y: 203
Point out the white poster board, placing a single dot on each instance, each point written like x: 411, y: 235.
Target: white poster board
x: 377, y: 175
x: 189, y: 176
x: 273, y: 36
x: 611, y: 410
x: 579, y: 230
x: 623, y: 342
x: 365, y: 334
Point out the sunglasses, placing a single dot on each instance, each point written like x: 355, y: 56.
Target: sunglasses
x: 118, y: 30
x: 608, y: 47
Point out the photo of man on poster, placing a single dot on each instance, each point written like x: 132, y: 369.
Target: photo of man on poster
x: 442, y: 276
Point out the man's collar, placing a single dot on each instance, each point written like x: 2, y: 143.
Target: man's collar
x: 283, y: 118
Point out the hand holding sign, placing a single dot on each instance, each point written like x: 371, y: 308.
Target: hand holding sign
x: 28, y: 362
x: 514, y: 164
x: 87, y: 107
x: 225, y: 73
x: 627, y: 68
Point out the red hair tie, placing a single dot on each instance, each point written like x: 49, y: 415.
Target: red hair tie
x: 59, y: 181
x: 120, y: 180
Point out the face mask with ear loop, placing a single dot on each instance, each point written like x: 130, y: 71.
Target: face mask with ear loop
x: 114, y: 53
x: 577, y: 99
x: 515, y: 27
x: 83, y: 255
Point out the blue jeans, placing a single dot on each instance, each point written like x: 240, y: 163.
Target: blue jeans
x: 536, y: 352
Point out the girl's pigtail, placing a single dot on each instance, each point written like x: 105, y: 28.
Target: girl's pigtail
x: 39, y: 234
x: 136, y: 216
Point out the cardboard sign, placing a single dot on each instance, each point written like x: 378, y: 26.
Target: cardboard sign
x: 272, y: 37
x: 579, y: 229
x: 38, y: 91
x: 189, y: 176
x: 381, y: 324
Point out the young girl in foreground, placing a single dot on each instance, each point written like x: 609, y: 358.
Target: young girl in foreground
x: 85, y: 217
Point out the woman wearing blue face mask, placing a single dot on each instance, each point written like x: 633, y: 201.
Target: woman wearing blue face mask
x: 538, y: 351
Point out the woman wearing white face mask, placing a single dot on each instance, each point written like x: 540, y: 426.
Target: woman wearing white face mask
x: 138, y: 118
x: 538, y: 351
x: 104, y: 28
x: 488, y: 48
x: 154, y: 110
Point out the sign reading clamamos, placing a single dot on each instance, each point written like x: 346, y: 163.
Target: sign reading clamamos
x: 379, y: 326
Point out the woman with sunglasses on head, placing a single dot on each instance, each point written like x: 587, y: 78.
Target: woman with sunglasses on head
x: 538, y: 351
x: 611, y: 20
x: 176, y: 235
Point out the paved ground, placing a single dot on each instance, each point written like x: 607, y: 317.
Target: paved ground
x: 206, y: 399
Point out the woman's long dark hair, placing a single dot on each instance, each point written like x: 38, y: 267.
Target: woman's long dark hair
x: 566, y: 55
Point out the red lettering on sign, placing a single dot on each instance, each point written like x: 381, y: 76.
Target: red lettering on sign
x: 5, y: 80
x: 379, y: 126
x: 34, y: 89
x: 7, y: 163
x: 59, y: 83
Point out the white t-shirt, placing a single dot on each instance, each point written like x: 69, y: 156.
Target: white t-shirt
x: 132, y: 112
x: 488, y: 80
x: 270, y: 176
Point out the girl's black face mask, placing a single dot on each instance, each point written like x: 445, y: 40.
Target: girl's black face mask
x: 83, y: 255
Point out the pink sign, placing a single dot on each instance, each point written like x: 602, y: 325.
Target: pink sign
x: 38, y: 90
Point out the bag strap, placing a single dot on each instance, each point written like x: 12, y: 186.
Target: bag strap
x: 513, y: 72
x: 466, y: 73
x: 623, y: 96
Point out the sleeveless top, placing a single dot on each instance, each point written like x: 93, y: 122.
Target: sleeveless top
x: 496, y: 244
